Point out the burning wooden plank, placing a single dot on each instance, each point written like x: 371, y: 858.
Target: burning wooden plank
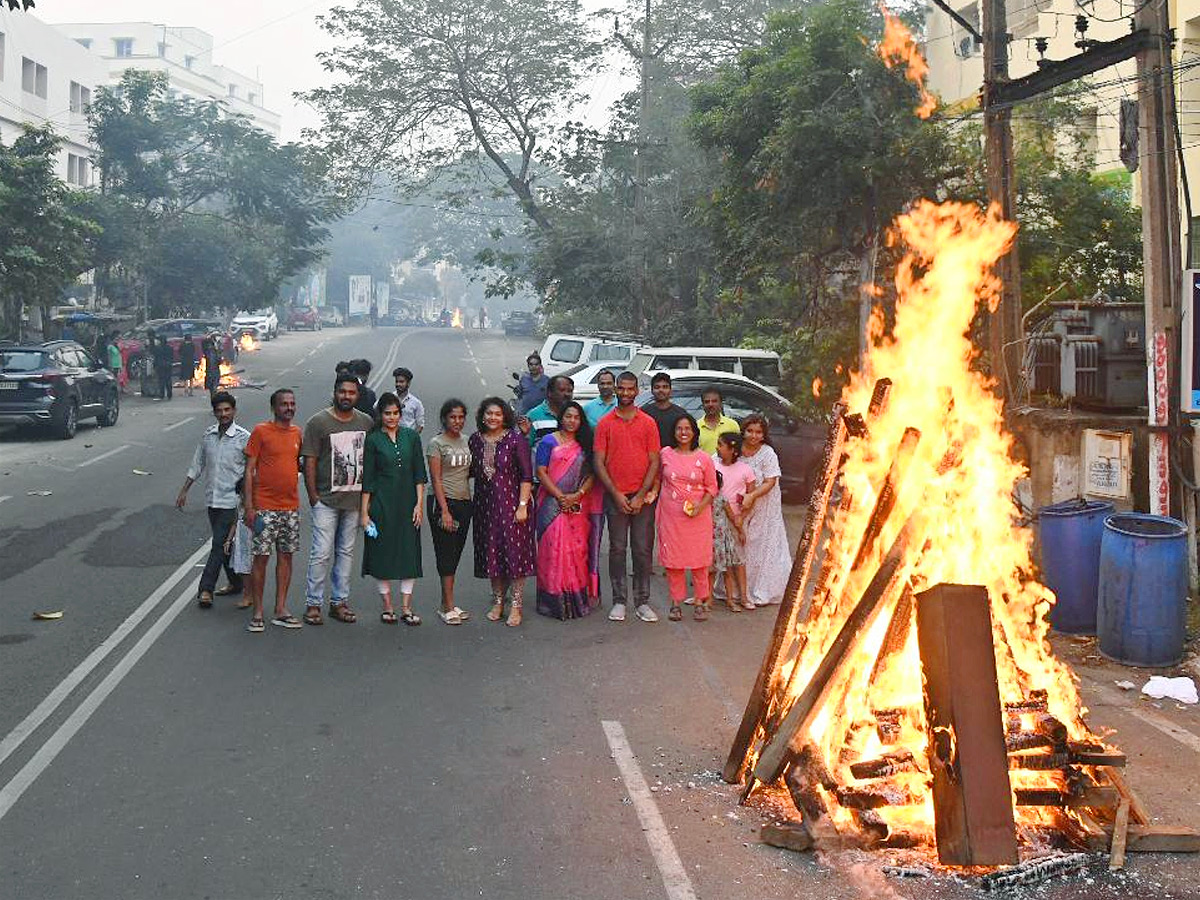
x: 807, y: 781
x: 887, y: 765
x: 1016, y: 741
x: 1039, y: 762
x: 889, y: 723
x: 973, y: 813
x: 874, y: 796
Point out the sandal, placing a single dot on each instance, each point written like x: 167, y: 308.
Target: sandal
x: 676, y: 613
x: 205, y: 599
x: 463, y: 615
x: 514, y: 616
x: 312, y: 616
x: 496, y: 613
x: 408, y: 617
x: 256, y: 625
x: 287, y: 620
x: 746, y: 604
x: 388, y: 617
x: 450, y: 616
x: 732, y: 605
x: 700, y: 613
x: 342, y: 613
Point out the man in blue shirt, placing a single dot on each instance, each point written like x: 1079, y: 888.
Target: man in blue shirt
x: 596, y: 409
x: 533, y: 385
x: 543, y: 418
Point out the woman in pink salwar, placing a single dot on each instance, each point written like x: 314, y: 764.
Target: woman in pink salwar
x: 569, y: 508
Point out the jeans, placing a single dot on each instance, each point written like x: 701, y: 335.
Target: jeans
x: 624, y: 530
x: 165, y: 382
x: 334, y: 532
x: 220, y: 521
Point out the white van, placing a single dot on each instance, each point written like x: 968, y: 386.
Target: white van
x: 562, y: 351
x: 762, y: 366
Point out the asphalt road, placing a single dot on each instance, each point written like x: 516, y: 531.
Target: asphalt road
x: 150, y: 749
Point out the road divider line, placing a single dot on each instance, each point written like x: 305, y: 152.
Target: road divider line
x: 666, y: 857
x: 46, y: 754
x: 5, y: 497
x: 95, y: 459
x: 180, y: 423
x: 54, y: 699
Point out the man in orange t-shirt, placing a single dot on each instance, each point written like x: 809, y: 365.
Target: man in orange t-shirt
x: 272, y: 497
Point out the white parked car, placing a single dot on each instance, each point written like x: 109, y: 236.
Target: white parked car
x: 762, y: 366
x: 562, y: 351
x: 263, y: 324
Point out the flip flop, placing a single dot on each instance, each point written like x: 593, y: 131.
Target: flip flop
x: 313, y: 616
x: 408, y: 617
x: 388, y: 617
x: 256, y: 626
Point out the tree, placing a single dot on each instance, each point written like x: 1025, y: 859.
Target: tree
x: 45, y: 234
x: 426, y: 84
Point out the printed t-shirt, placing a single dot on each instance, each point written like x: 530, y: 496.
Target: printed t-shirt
x: 736, y: 479
x: 542, y: 421
x: 456, y: 465
x: 276, y: 475
x: 707, y: 438
x: 338, y: 449
x: 665, y: 420
x: 627, y: 447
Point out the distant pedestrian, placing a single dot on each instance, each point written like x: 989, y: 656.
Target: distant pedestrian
x: 626, y: 462
x: 450, y: 506
x: 333, y: 469
x: 392, y: 506
x: 113, y: 358
x: 212, y: 365
x: 662, y: 410
x: 714, y: 423
x: 220, y: 458
x: 503, y: 471
x: 736, y: 479
x: 272, y: 506
x: 361, y: 369
x: 187, y: 363
x: 688, y: 484
x: 601, y: 406
x: 768, y: 560
x: 569, y: 513
x: 164, y: 365
x: 412, y: 410
x: 374, y: 314
x: 532, y: 385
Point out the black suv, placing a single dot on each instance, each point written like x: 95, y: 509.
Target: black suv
x: 56, y: 384
x: 520, y: 322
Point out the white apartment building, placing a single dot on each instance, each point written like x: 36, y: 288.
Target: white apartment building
x: 185, y: 55
x: 48, y: 79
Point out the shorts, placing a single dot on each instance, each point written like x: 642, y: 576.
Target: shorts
x: 281, y: 530
x: 448, y: 545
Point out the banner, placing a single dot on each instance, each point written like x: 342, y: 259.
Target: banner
x: 383, y: 294
x: 316, y: 288
x: 360, y: 295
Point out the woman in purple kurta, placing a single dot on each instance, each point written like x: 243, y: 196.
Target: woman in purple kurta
x: 503, y: 471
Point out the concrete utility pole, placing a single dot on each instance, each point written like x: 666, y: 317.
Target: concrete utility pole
x: 1004, y: 325
x: 1159, y: 182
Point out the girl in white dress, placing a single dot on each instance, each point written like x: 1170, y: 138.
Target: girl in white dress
x: 768, y: 559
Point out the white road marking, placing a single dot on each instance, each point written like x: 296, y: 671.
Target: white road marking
x: 46, y: 754
x: 478, y: 371
x: 670, y: 866
x: 95, y: 459
x: 285, y: 371
x: 5, y: 497
x: 179, y: 424
x: 54, y: 699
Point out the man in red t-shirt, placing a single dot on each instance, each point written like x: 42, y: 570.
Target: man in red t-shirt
x: 272, y: 495
x: 626, y: 460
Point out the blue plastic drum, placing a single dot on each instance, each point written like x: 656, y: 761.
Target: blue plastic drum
x: 1142, y: 612
x: 1069, y: 536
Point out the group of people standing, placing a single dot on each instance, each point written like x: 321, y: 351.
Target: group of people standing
x: 533, y: 488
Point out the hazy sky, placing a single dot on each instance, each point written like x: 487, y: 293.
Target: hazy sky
x: 275, y: 40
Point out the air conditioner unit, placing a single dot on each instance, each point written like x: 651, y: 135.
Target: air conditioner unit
x: 966, y: 47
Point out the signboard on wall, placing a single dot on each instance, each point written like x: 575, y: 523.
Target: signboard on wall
x: 360, y: 295
x: 383, y: 293
x: 1189, y: 368
x: 1107, y: 460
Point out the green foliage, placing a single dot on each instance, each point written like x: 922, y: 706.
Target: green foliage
x: 45, y: 234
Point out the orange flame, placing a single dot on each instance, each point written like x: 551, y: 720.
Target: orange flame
x: 817, y: 384
x: 228, y: 379
x: 900, y: 47
x: 247, y: 342
x: 456, y: 321
x: 971, y: 523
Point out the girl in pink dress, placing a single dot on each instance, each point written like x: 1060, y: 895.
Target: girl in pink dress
x: 729, y: 535
x: 686, y: 485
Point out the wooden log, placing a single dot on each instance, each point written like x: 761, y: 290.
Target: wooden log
x: 785, y: 620
x: 1045, y: 724
x: 791, y: 735
x: 887, y: 765
x: 788, y: 835
x: 1116, y: 857
x: 1016, y: 741
x: 806, y: 779
x: 1037, y: 701
x: 1101, y: 757
x: 1039, y: 797
x: 889, y: 725
x: 1034, y: 871
x: 874, y: 796
x: 973, y: 813
x: 897, y: 634
x: 1039, y: 761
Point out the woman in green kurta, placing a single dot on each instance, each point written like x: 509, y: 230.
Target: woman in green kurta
x: 393, y: 496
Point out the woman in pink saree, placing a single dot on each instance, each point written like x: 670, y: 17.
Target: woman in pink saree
x: 569, y: 507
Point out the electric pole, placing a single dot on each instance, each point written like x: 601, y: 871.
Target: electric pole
x: 1004, y: 325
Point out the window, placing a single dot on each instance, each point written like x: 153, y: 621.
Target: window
x: 81, y: 97
x: 566, y: 351
x: 233, y: 90
x: 85, y: 43
x: 252, y: 99
x: 964, y: 43
x: 764, y: 371
x: 33, y: 78
x: 671, y: 362
x: 123, y: 47
x: 719, y: 363
x: 605, y: 352
x: 162, y: 49
x: 189, y: 61
x: 77, y: 169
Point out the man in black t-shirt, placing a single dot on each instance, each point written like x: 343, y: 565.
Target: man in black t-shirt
x: 662, y: 410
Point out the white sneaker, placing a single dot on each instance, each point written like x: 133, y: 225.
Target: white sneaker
x: 646, y: 613
x: 618, y: 613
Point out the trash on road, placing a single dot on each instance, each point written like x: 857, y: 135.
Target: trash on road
x: 1125, y: 685
x: 48, y: 616
x: 141, y: 472
x: 38, y: 493
x: 1181, y: 689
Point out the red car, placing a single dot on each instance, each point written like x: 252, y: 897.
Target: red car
x: 303, y: 317
x: 132, y: 344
